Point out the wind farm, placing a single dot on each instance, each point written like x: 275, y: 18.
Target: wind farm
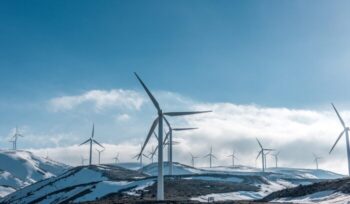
x: 174, y: 102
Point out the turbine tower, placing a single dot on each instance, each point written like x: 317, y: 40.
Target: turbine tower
x: 82, y: 160
x: 116, y: 158
x: 159, y: 121
x: 346, y: 131
x: 211, y: 156
x: 139, y: 157
x: 169, y: 136
x: 152, y: 153
x: 316, y: 159
x: 99, y: 154
x: 15, y: 138
x: 193, y: 158
x: 263, y: 155
x: 233, y: 157
x: 91, y: 140
x: 276, y: 158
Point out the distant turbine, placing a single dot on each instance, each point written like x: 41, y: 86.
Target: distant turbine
x: 83, y: 160
x: 169, y: 136
x: 99, y: 154
x: 15, y: 138
x: 276, y: 158
x: 116, y: 158
x: 152, y: 154
x: 91, y: 140
x: 193, y: 158
x: 346, y: 130
x: 316, y: 159
x: 233, y: 157
x: 211, y: 156
x: 263, y: 155
x: 140, y: 156
x: 159, y: 121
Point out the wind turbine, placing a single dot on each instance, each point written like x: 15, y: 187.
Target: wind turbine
x: 276, y: 158
x: 116, y: 158
x: 170, y: 147
x: 15, y: 138
x: 91, y: 140
x: 211, y: 156
x: 82, y: 160
x: 152, y: 154
x: 99, y: 154
x: 263, y: 155
x: 316, y: 159
x: 139, y: 157
x: 346, y: 131
x: 233, y: 157
x: 193, y: 158
x: 159, y: 121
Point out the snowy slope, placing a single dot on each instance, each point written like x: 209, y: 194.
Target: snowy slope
x: 274, y: 179
x: 21, y: 168
x: 80, y: 184
x: 108, y: 182
x: 329, y: 191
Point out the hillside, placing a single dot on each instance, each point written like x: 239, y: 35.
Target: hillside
x: 109, y: 183
x: 22, y: 168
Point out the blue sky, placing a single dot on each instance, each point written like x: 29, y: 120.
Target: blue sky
x: 282, y: 54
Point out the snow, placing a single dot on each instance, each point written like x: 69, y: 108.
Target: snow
x: 324, y: 197
x: 21, y: 168
x: 107, y: 187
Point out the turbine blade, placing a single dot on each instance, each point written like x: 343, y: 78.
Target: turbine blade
x: 98, y: 143
x: 258, y: 155
x: 88, y: 140
x: 93, y: 130
x: 341, y: 120
x: 185, y: 113
x: 154, y: 101
x: 166, y: 137
x: 259, y: 143
x: 341, y: 134
x: 155, y: 135
x: 167, y: 122
x: 206, y: 155
x: 213, y: 156
x: 154, y: 125
x: 182, y: 129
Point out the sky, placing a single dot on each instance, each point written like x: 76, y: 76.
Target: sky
x: 267, y: 69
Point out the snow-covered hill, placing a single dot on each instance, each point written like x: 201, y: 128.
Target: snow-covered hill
x: 21, y: 168
x: 330, y: 191
x: 111, y: 182
x: 84, y: 183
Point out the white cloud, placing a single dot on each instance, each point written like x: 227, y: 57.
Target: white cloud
x: 122, y: 117
x: 101, y: 99
x: 296, y: 132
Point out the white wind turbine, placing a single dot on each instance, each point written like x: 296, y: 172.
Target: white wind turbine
x: 159, y: 121
x: 152, y: 153
x: 116, y: 158
x: 316, y: 159
x: 193, y: 158
x: 263, y: 155
x: 233, y: 156
x: 15, y: 138
x: 91, y: 140
x: 140, y: 156
x: 169, y: 136
x: 276, y: 158
x: 99, y: 154
x: 346, y: 131
x: 82, y: 160
x: 211, y: 156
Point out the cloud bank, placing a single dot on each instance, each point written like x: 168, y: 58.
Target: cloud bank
x: 297, y: 133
